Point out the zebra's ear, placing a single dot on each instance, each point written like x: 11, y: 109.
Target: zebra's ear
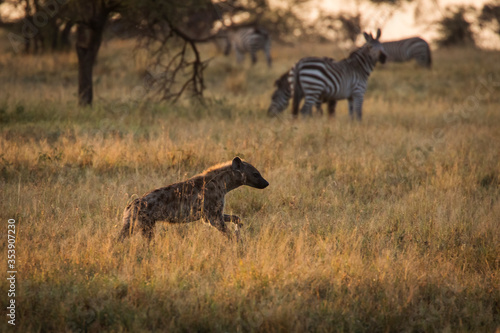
x: 378, y: 33
x: 236, y: 164
x: 367, y: 37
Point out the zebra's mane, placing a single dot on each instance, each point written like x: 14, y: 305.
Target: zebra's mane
x: 282, y: 81
x: 360, y: 51
x: 355, y: 59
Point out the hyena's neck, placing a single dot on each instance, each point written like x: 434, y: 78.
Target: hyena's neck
x: 223, y: 179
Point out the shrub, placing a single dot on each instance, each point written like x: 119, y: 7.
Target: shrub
x: 455, y: 29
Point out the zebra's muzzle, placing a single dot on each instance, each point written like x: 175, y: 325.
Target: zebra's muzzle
x: 273, y: 111
x: 382, y: 57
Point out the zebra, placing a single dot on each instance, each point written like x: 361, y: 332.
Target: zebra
x: 408, y: 49
x: 346, y: 79
x: 248, y: 39
x: 281, y: 96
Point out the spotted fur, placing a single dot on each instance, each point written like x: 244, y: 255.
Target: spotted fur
x: 198, y: 198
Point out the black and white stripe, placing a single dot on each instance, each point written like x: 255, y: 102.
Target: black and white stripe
x: 281, y: 96
x: 408, y: 49
x: 347, y: 79
x: 248, y: 40
x: 283, y: 93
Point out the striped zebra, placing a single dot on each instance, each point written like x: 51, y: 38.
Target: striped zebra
x: 248, y: 40
x: 283, y: 93
x: 408, y: 49
x: 346, y: 79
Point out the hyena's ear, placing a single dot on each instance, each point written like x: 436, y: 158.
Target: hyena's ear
x: 237, y: 164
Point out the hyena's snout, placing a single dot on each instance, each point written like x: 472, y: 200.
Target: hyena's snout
x: 247, y: 174
x: 261, y: 183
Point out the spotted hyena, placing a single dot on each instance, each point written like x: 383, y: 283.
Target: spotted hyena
x: 200, y: 197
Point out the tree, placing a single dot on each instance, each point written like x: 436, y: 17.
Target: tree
x: 90, y: 17
x: 43, y: 27
x: 168, y: 29
x: 158, y: 20
x: 491, y: 13
x: 455, y: 29
x: 173, y: 51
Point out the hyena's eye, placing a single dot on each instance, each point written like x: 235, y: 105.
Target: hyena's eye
x: 256, y: 174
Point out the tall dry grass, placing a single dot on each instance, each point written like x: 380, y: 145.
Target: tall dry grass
x: 387, y: 225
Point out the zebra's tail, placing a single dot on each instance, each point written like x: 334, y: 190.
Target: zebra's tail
x: 429, y: 57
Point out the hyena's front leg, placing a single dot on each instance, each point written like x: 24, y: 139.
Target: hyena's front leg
x: 217, y: 221
x: 236, y: 220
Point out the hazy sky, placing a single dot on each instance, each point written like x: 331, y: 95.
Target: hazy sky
x: 397, y: 24
x: 405, y: 23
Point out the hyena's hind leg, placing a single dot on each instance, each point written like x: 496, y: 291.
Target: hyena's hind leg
x: 129, y: 217
x: 135, y: 216
x: 147, y: 226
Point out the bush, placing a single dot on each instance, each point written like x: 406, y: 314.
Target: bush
x: 454, y: 28
x: 491, y: 13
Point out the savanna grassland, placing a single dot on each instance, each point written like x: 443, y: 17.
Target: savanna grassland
x: 391, y: 225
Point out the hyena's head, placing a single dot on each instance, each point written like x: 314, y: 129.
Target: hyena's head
x: 377, y: 51
x: 247, y: 174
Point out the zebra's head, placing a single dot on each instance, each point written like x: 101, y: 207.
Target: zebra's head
x: 376, y: 49
x: 281, y: 96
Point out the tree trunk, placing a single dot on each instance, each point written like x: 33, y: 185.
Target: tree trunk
x: 88, y: 41
x: 65, y: 44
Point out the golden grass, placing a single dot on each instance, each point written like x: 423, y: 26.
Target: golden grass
x: 388, y: 225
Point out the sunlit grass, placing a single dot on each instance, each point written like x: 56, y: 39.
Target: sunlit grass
x: 387, y: 225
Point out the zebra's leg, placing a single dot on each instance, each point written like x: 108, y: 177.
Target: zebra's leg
x: 319, y: 108
x: 295, y: 102
x: 424, y: 61
x: 358, y: 105
x: 428, y: 58
x: 268, y: 55
x: 351, y: 108
x: 308, y: 104
x: 254, y: 57
x: 420, y: 60
x: 239, y: 55
x: 332, y: 104
x: 227, y: 49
